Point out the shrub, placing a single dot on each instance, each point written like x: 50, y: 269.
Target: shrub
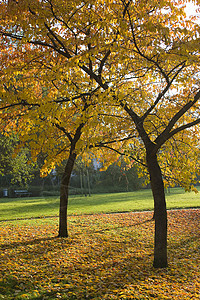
x: 50, y: 193
x: 35, y: 191
x: 1, y: 192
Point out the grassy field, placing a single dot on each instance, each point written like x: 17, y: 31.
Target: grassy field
x: 102, y: 203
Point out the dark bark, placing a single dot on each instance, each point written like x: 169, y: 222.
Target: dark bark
x: 64, y: 192
x: 64, y: 187
x: 160, y: 212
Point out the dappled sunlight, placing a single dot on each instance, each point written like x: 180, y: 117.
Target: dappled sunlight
x: 107, y: 256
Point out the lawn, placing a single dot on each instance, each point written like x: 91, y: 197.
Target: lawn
x: 107, y: 256
x: 101, y: 203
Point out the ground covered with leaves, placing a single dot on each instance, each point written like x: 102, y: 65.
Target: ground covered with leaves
x: 107, y: 256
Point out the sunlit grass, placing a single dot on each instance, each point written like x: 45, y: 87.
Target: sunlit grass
x: 101, y: 203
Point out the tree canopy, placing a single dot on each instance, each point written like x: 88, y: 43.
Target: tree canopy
x: 136, y: 58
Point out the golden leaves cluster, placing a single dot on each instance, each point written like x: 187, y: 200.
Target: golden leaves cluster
x: 79, y: 62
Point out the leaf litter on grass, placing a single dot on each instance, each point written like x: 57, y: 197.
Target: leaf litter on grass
x: 107, y: 256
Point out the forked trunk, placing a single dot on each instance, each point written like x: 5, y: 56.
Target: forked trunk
x: 64, y: 192
x: 160, y: 212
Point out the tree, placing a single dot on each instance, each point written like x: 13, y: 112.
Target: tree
x: 141, y: 57
x: 51, y: 124
x: 52, y: 111
x: 18, y: 166
x: 118, y: 177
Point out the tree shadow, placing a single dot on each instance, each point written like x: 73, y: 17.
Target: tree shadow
x: 124, y: 226
x: 26, y: 243
x: 53, y: 238
x: 185, y: 242
x: 109, y: 274
x: 29, y: 218
x: 103, y: 268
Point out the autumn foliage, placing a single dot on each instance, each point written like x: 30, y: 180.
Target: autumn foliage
x: 107, y: 256
x: 119, y: 75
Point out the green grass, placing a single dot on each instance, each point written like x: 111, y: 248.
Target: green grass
x: 102, y: 203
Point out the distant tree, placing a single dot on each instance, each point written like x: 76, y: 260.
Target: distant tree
x: 17, y: 166
x: 118, y: 177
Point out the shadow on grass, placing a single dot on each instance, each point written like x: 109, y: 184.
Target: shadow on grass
x: 37, y: 209
x: 56, y: 238
x: 29, y: 199
x: 27, y: 243
x: 85, y: 280
x: 29, y: 218
x: 124, y: 226
x: 91, y: 267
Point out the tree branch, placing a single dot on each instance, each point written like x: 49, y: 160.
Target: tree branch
x: 183, y: 127
x: 23, y: 103
x: 139, y: 125
x: 65, y: 132
x: 101, y: 144
x: 142, y: 54
x: 123, y: 154
x: 103, y: 62
x: 57, y: 39
x: 166, y: 134
x: 160, y: 95
x: 126, y: 5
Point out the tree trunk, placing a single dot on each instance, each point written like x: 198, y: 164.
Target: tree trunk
x: 64, y: 192
x: 160, y: 212
x: 88, y: 181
